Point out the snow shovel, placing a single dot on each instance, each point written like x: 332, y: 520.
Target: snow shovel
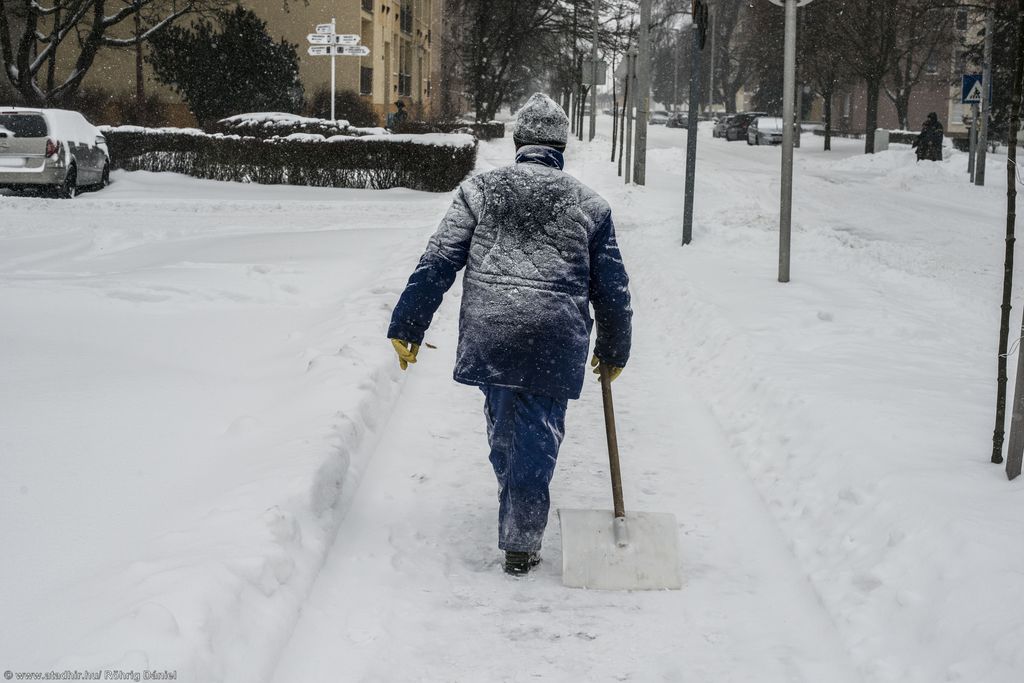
x: 610, y: 550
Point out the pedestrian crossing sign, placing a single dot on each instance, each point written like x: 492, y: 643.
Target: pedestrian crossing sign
x: 971, y: 91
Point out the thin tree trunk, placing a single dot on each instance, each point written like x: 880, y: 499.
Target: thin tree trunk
x: 51, y: 67
x: 903, y: 110
x: 871, y: 117
x: 827, y: 96
x: 1013, y: 467
x: 622, y: 119
x: 615, y: 110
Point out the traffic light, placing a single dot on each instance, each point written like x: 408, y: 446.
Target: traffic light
x: 700, y: 19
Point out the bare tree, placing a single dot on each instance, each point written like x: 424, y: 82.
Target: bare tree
x: 822, y: 65
x: 32, y: 34
x: 732, y: 64
x: 889, y: 42
x: 929, y: 37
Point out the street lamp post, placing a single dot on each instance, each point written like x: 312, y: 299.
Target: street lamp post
x: 788, y: 96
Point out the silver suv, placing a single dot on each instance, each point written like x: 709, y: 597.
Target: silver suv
x: 51, y: 149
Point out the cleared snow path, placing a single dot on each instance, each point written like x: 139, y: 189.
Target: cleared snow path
x: 413, y: 589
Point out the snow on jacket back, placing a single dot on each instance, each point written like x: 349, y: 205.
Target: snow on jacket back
x: 539, y: 248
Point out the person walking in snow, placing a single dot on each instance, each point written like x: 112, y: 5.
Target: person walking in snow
x: 539, y: 250
x: 929, y: 140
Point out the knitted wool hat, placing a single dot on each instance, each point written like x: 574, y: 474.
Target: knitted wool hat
x: 541, y: 122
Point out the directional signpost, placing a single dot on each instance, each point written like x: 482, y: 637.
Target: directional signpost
x: 326, y: 42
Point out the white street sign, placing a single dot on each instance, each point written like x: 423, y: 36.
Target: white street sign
x: 319, y: 38
x: 346, y: 39
x: 338, y: 50
x: 356, y: 51
x: 325, y: 28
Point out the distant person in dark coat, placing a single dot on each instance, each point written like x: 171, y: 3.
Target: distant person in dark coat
x: 929, y: 140
x: 398, y: 118
x: 538, y: 248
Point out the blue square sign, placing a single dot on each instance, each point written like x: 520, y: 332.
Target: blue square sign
x: 971, y: 90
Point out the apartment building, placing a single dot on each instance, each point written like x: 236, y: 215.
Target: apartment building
x: 404, y: 61
x: 938, y: 90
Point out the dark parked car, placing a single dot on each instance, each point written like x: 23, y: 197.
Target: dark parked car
x: 680, y: 119
x: 51, y: 149
x: 736, y: 129
x: 721, y: 125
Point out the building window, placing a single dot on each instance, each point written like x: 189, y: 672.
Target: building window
x: 365, y: 80
x: 368, y: 6
x: 960, y: 61
x: 404, y: 69
x: 405, y: 16
x: 961, y: 19
x: 931, y: 65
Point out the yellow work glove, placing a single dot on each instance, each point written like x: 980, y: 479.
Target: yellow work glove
x: 406, y: 352
x: 613, y: 371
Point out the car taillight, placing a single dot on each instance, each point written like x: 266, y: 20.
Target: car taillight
x: 51, y: 148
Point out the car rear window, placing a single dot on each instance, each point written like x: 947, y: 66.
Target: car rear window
x: 23, y: 125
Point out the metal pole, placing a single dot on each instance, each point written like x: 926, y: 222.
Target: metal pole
x: 799, y: 115
x: 986, y: 82
x: 334, y: 30
x: 789, y: 85
x: 643, y: 100
x: 593, y: 80
x: 630, y: 100
x: 691, y: 136
x: 972, y: 141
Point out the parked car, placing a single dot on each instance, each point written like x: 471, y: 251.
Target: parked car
x: 659, y: 117
x: 679, y: 119
x: 721, y: 125
x: 51, y: 149
x: 767, y: 130
x: 737, y: 126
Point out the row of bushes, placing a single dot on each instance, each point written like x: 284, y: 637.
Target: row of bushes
x: 436, y: 164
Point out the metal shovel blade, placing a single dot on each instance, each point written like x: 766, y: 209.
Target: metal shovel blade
x: 596, y: 555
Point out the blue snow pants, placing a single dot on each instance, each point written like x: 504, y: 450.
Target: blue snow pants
x: 524, y: 431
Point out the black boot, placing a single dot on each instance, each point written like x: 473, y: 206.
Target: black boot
x: 518, y: 562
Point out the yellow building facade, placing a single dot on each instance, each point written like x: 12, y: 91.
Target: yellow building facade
x: 403, y: 36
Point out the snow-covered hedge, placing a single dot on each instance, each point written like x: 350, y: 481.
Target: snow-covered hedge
x: 434, y: 163
x: 266, y: 125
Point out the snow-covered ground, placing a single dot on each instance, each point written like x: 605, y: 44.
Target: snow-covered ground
x: 212, y: 464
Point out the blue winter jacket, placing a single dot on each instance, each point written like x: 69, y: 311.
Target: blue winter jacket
x: 539, y: 248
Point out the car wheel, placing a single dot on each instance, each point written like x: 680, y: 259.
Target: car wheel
x: 69, y: 188
x: 104, y: 177
x: 748, y: 141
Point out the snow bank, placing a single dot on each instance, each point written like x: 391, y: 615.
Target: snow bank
x: 858, y: 397
x: 193, y: 374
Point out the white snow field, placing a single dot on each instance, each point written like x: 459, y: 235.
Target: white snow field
x: 212, y: 465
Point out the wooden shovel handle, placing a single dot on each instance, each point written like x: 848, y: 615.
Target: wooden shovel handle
x: 613, y: 443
